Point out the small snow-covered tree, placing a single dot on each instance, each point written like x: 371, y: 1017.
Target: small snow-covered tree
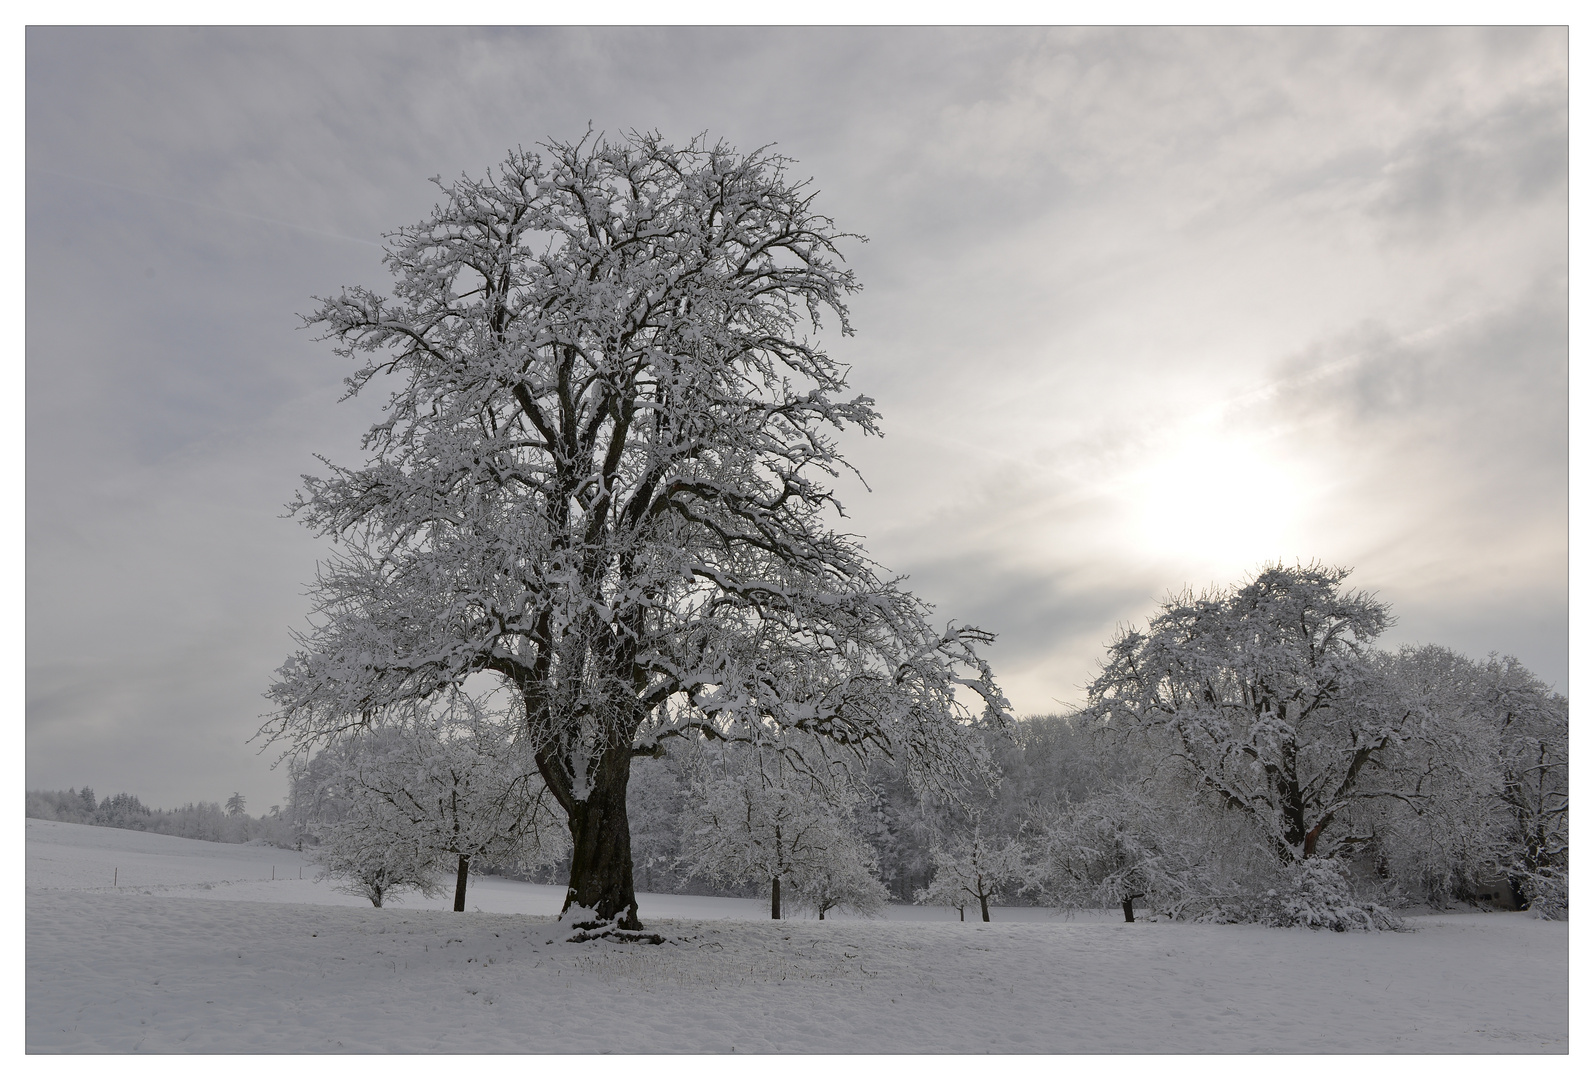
x: 846, y: 879
x: 974, y: 867
x: 460, y: 779
x: 751, y: 817
x: 375, y: 853
x: 604, y: 478
x: 1115, y: 847
x: 235, y: 805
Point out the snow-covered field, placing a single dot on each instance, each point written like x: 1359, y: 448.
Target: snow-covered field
x: 202, y: 947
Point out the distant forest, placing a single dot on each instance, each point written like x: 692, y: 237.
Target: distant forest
x: 224, y: 824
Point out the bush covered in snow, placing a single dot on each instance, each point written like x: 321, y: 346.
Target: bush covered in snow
x: 1547, y: 894
x: 1316, y: 894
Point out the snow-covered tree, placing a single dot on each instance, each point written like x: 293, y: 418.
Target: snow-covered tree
x: 1534, y: 753
x: 750, y: 817
x: 1048, y: 762
x: 1152, y: 838
x: 1113, y: 848
x: 1266, y: 693
x: 460, y: 781
x: 974, y: 867
x: 846, y: 879
x: 235, y: 805
x: 603, y: 477
x: 374, y: 852
x: 1485, y: 782
x: 1437, y: 841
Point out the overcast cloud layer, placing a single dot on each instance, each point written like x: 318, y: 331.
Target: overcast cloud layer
x: 1141, y: 309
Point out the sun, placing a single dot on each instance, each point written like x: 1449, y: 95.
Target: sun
x: 1208, y: 494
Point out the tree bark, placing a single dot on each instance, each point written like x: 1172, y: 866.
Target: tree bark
x: 600, y: 857
x: 459, y: 882
x: 985, y: 910
x: 1309, y: 844
x: 774, y: 898
x: 1129, y: 909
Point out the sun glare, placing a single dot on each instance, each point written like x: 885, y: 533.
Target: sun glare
x: 1213, y: 496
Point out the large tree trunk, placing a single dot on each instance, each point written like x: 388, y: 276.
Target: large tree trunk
x: 774, y: 898
x: 1129, y: 909
x: 985, y: 910
x: 600, y: 856
x: 459, y: 882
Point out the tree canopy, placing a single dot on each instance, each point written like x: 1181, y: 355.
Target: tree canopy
x: 1266, y: 692
x: 604, y: 478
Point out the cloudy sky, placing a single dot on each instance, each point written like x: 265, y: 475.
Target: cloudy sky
x: 1141, y: 309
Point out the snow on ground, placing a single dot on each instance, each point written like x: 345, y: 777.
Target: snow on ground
x: 198, y: 949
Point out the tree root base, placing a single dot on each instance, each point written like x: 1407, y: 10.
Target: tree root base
x: 608, y: 931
